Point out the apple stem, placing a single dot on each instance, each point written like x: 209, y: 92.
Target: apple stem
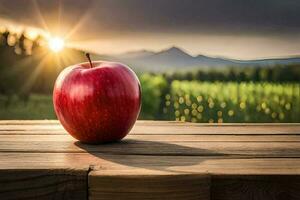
x: 89, y: 58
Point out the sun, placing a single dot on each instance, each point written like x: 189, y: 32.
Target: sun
x: 56, y: 44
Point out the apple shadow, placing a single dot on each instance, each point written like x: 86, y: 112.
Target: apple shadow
x: 148, y: 154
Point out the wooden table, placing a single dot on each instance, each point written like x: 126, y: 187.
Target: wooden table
x: 157, y: 160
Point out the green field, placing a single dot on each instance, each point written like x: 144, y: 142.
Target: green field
x: 232, y: 102
x: 189, y: 101
x: 37, y: 107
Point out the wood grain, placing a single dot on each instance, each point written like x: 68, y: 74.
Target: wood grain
x: 255, y: 187
x: 157, y: 160
x: 163, y: 128
x: 164, y: 138
x: 152, y: 123
x: 43, y: 184
x: 131, y: 164
x: 141, y: 147
x: 141, y: 186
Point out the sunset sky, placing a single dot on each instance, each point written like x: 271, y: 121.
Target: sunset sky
x: 243, y: 29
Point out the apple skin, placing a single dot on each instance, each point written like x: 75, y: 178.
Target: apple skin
x: 98, y: 104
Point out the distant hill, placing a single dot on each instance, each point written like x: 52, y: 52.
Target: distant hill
x: 175, y: 58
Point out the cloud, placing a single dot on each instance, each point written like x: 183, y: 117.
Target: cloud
x: 196, y: 16
x: 234, y: 28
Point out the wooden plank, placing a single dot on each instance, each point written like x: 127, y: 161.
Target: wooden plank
x: 32, y: 127
x: 159, y: 165
x: 150, y: 186
x: 194, y: 186
x: 157, y: 160
x: 28, y: 122
x: 165, y: 138
x: 124, y: 167
x: 144, y: 169
x: 33, y: 132
x: 143, y: 127
x: 236, y: 130
x: 118, y: 165
x: 164, y: 130
x: 51, y: 161
x: 151, y: 123
x: 255, y: 187
x: 142, y: 147
x: 216, y: 138
x: 43, y: 184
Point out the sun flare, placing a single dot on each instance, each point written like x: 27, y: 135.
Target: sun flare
x: 56, y: 44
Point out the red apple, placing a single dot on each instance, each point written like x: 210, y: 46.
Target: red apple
x: 97, y: 102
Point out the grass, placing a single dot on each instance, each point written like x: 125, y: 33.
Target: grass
x: 37, y: 107
x: 232, y: 102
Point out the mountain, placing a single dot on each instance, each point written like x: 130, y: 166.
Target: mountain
x: 270, y: 61
x: 175, y: 58
x: 169, y: 58
x: 136, y: 54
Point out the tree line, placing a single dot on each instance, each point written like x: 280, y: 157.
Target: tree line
x: 277, y: 73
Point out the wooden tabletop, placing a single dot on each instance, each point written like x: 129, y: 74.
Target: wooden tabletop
x: 157, y: 160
